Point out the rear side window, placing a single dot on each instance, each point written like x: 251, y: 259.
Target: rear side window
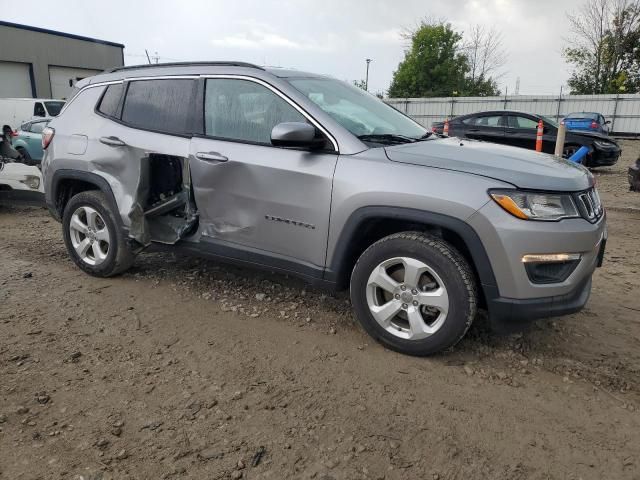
x: 160, y: 105
x: 486, y: 121
x: 38, y: 110
x: 111, y: 100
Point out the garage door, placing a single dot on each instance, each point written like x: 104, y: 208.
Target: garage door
x: 16, y: 80
x: 64, y: 78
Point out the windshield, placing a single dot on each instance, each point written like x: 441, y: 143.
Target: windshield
x: 356, y: 110
x: 54, y: 108
x: 548, y: 121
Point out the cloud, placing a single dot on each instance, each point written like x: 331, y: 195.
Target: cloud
x: 392, y: 36
x: 258, y: 36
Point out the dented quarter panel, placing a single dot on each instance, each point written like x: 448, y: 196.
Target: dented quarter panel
x: 272, y: 199
x: 125, y: 168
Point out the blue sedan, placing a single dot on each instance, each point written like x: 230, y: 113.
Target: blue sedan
x: 28, y: 141
x: 587, y: 121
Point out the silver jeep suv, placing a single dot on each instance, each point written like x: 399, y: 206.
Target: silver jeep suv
x: 303, y: 174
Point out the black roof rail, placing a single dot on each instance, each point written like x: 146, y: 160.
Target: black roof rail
x: 185, y: 64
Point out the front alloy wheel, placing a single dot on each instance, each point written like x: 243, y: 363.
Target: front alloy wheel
x: 407, y: 298
x: 414, y: 293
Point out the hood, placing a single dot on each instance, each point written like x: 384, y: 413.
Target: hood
x: 593, y: 135
x: 521, y: 167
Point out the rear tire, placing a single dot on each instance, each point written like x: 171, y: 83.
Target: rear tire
x: 93, y: 237
x: 26, y: 158
x: 414, y: 293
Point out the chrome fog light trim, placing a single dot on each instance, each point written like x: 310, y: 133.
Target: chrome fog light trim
x: 550, y: 257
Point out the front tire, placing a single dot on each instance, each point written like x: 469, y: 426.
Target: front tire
x: 414, y: 293
x: 93, y: 237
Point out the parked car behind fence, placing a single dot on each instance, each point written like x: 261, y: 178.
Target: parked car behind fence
x: 518, y: 129
x: 587, y: 121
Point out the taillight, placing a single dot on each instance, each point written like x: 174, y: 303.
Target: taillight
x: 434, y: 129
x: 594, y: 125
x: 14, y: 133
x: 47, y: 136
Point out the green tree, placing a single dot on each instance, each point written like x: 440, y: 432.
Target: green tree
x: 440, y: 62
x: 604, y: 49
x: 433, y: 66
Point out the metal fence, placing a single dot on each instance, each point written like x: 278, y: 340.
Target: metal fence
x: 622, y: 110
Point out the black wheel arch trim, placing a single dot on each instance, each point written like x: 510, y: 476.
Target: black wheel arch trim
x: 101, y: 184
x: 336, y: 271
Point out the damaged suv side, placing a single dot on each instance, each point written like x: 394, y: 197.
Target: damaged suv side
x: 306, y: 175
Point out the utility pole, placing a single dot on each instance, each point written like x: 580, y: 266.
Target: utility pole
x: 366, y: 81
x: 148, y: 59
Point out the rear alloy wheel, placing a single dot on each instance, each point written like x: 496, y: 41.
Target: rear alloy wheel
x: 414, y: 293
x: 93, y: 237
x: 90, y: 235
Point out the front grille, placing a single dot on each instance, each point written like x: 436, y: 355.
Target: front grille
x: 590, y: 205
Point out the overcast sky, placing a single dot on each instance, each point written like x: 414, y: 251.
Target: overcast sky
x: 329, y: 36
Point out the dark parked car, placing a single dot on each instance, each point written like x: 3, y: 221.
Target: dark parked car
x: 587, y: 121
x: 519, y: 129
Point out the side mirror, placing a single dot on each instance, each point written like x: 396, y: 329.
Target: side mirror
x: 295, y: 134
x: 608, y: 122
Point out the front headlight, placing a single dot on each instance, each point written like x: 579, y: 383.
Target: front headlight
x: 31, y: 181
x: 536, y: 205
x: 604, y: 144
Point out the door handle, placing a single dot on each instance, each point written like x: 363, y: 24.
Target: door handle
x: 211, y: 157
x: 112, y: 141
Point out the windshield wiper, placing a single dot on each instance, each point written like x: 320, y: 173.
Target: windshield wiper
x: 386, y: 138
x: 426, y: 136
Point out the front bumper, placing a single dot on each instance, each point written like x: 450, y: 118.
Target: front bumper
x: 21, y: 197
x: 510, y: 314
x: 515, y: 299
x: 604, y: 157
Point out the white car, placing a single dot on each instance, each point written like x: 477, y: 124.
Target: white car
x: 20, y: 184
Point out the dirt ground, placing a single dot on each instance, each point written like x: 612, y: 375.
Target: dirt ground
x: 188, y: 369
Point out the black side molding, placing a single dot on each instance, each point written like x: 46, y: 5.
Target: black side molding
x: 51, y: 197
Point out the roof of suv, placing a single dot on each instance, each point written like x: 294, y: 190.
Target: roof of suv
x: 190, y: 68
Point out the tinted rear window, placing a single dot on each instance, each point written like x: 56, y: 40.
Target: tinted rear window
x: 111, y: 99
x: 160, y: 105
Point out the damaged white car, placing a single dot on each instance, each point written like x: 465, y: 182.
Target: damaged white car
x: 20, y: 184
